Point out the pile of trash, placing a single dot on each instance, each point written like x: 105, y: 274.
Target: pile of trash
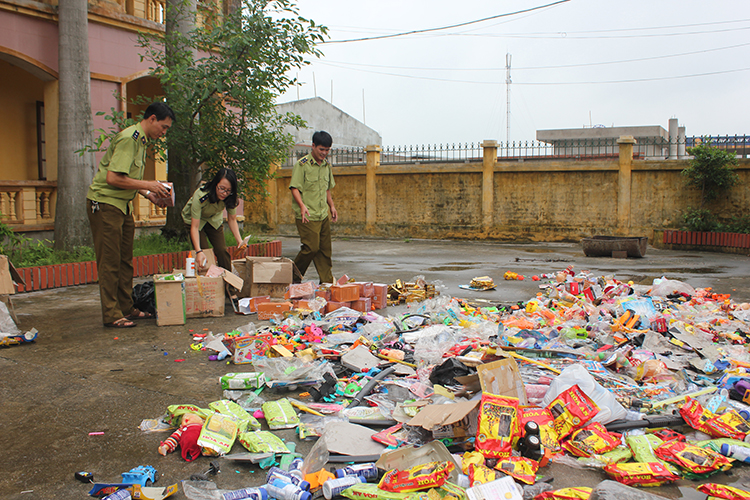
x: 456, y: 399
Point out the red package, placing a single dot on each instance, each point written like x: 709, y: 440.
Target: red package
x: 730, y: 424
x: 669, y: 435
x: 499, y: 425
x: 591, y: 440
x: 389, y: 436
x: 571, y: 410
x: 640, y: 473
x: 575, y: 493
x: 722, y: 491
x: 519, y: 468
x: 481, y: 474
x: 692, y: 458
x: 543, y: 418
x: 697, y: 417
x: 420, y: 477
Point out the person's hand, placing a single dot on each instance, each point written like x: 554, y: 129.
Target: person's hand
x: 201, y: 259
x: 159, y: 202
x: 305, y: 214
x: 242, y: 244
x: 334, y: 214
x: 159, y: 189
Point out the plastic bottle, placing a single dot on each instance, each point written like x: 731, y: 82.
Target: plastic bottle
x: 334, y: 487
x: 282, y: 475
x: 190, y: 266
x: 367, y: 471
x: 281, y: 490
x: 295, y: 468
x: 246, y: 493
x: 736, y: 451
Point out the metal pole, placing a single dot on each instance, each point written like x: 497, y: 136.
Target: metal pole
x: 507, y: 97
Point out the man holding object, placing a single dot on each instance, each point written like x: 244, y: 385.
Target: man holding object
x: 311, y: 185
x: 110, y: 212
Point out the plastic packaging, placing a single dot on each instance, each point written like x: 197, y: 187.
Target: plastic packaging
x: 274, y: 473
x: 122, y: 494
x: 609, y: 408
x: 737, y: 452
x: 334, y: 487
x: 190, y: 266
x: 295, y: 468
x: 367, y: 471
x: 246, y: 493
x: 281, y: 490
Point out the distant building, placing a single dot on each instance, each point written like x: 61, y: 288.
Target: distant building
x: 320, y: 114
x: 652, y: 141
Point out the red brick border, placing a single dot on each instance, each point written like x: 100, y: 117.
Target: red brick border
x: 729, y: 240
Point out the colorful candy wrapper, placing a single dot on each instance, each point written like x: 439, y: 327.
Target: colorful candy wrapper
x: 591, y: 440
x: 262, y: 442
x: 245, y: 421
x: 280, y: 414
x: 697, y: 417
x: 616, y: 456
x: 481, y: 474
x: 499, y: 425
x: 218, y: 434
x: 543, y: 419
x: 723, y: 491
x: 519, y: 468
x: 420, y: 477
x: 576, y: 493
x: 640, y: 473
x: 372, y: 492
x: 469, y: 458
x: 571, y: 410
x: 730, y: 424
x: 642, y: 446
x: 175, y: 413
x: 693, y: 460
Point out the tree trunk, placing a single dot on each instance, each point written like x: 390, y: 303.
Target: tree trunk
x: 75, y: 127
x: 180, y: 21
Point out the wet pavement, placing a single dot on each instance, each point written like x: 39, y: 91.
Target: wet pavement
x: 80, y: 378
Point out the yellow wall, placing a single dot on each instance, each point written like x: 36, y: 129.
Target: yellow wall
x: 19, y: 92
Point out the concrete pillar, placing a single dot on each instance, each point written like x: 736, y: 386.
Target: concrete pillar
x: 673, y: 133
x: 625, y: 143
x: 371, y: 192
x: 488, y: 183
x: 681, y: 143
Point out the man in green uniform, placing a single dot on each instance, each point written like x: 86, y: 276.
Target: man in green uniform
x: 110, y: 212
x: 311, y: 185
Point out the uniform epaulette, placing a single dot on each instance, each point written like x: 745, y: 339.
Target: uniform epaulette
x: 136, y: 134
x: 303, y: 160
x: 204, y: 197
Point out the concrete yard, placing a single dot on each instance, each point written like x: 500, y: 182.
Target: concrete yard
x: 80, y: 378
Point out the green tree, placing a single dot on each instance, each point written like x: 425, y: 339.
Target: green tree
x: 711, y: 171
x: 222, y: 77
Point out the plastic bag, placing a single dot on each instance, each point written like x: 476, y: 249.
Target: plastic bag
x: 7, y: 325
x: 609, y: 408
x: 446, y: 373
x: 664, y: 287
x: 144, y: 298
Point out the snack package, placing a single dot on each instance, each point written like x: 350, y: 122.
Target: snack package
x: 640, y: 473
x: 576, y: 493
x: 371, y: 491
x: 697, y: 417
x: 571, y: 410
x: 390, y: 436
x: 519, y: 468
x: 696, y: 462
x: 499, y: 425
x: 616, y: 456
x: 730, y: 424
x: 218, y: 434
x: 668, y: 435
x: 723, y: 491
x: 591, y: 440
x: 280, y: 414
x: 643, y: 446
x: 543, y: 419
x: 175, y: 413
x: 245, y: 380
x: 481, y: 474
x: 469, y: 458
x: 245, y: 421
x: 262, y: 442
x: 420, y: 477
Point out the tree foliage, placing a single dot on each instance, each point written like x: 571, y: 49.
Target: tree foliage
x: 711, y: 171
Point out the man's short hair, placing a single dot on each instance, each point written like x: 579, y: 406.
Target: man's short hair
x: 322, y: 138
x: 160, y: 110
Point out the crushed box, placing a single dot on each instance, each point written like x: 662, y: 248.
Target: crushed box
x: 455, y: 420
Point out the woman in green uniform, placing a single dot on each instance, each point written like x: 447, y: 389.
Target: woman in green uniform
x: 204, y: 217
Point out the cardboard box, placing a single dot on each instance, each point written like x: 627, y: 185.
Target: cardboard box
x: 326, y: 294
x: 167, y: 201
x: 249, y: 305
x: 503, y: 378
x: 344, y: 293
x: 301, y: 290
x: 363, y: 304
x: 379, y: 295
x: 267, y: 310
x: 170, y: 301
x: 246, y: 380
x: 8, y: 275
x: 204, y: 297
x: 456, y: 420
x: 366, y: 288
x: 333, y: 305
x: 256, y: 273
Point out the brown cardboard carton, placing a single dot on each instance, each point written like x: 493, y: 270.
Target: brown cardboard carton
x: 503, y: 378
x: 263, y: 276
x: 332, y: 305
x: 362, y: 304
x: 8, y: 275
x: 267, y: 310
x: 380, y: 295
x: 456, y: 420
x: 344, y: 293
x: 170, y: 301
x: 204, y: 297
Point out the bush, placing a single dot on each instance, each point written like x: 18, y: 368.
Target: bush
x: 699, y: 219
x: 736, y: 225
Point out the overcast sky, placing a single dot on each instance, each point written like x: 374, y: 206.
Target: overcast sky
x: 574, y: 64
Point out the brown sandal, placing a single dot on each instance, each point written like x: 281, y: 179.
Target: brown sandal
x: 121, y: 323
x: 137, y: 314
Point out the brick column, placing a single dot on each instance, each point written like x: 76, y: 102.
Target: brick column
x: 488, y: 183
x: 625, y: 143
x: 371, y: 193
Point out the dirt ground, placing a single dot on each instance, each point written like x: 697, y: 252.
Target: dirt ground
x: 80, y: 378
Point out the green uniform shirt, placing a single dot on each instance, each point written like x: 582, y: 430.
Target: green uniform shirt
x: 199, y: 207
x: 127, y: 155
x: 313, y: 181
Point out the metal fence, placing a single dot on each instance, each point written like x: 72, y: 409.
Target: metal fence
x: 648, y: 148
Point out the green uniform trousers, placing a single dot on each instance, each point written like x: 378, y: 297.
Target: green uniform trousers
x: 113, y: 233
x: 218, y: 243
x: 315, y: 239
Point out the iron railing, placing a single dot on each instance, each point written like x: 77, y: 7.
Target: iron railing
x: 433, y: 153
x: 338, y: 156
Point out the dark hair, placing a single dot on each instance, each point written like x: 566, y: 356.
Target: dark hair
x: 210, y: 187
x: 160, y: 110
x: 322, y: 138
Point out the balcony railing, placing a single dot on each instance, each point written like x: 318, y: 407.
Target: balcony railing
x: 27, y: 203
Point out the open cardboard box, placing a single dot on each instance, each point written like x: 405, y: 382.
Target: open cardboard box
x: 8, y: 275
x: 263, y: 276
